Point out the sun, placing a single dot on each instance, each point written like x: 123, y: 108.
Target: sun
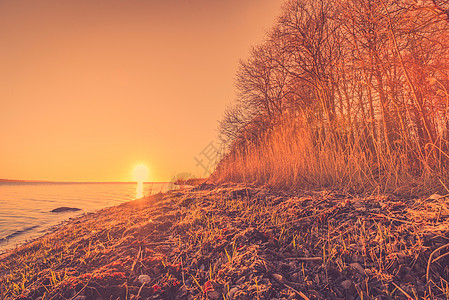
x: 140, y: 173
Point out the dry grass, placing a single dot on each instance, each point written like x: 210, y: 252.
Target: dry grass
x: 241, y: 242
x: 293, y: 156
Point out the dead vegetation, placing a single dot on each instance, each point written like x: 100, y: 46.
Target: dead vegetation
x: 241, y: 242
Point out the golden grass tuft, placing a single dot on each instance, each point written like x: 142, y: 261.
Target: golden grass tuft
x: 292, y: 155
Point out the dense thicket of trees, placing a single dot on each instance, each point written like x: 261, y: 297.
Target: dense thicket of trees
x: 372, y: 73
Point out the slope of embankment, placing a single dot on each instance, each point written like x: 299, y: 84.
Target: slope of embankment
x: 240, y: 242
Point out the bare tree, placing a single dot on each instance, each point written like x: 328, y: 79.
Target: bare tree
x: 372, y: 73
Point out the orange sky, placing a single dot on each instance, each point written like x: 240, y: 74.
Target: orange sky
x: 90, y: 88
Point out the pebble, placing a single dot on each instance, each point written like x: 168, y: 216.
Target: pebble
x: 357, y: 267
x: 144, y: 279
x: 346, y: 284
x: 295, y: 276
x: 409, y: 279
x: 183, y: 291
x: 434, y: 197
x: 213, y: 295
x: 233, y: 291
x: 278, y: 278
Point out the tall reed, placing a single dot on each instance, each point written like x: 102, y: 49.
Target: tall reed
x: 292, y: 155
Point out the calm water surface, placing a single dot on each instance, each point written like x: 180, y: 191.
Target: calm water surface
x: 25, y: 206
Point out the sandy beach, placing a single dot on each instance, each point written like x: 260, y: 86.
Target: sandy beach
x: 240, y: 242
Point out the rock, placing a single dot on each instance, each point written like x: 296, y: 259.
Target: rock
x: 295, y: 276
x: 64, y: 209
x: 144, y: 279
x: 272, y: 242
x: 165, y: 226
x: 213, y: 295
x: 394, y: 248
x: 279, y: 278
x: 357, y: 267
x: 346, y: 284
x: 404, y: 271
x: 233, y: 291
x: 409, y: 279
x: 356, y: 257
x: 187, y: 202
x: 210, y: 288
x: 237, y: 193
x: 182, y: 291
x: 434, y: 197
x: 292, y: 265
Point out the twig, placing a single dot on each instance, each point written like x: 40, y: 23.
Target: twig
x: 141, y: 287
x: 408, y: 296
x: 77, y: 294
x: 182, y: 252
x: 394, y: 219
x: 305, y: 258
x: 165, y: 243
x: 430, y: 260
x: 440, y: 257
x: 126, y: 291
x: 299, y: 219
x: 182, y: 268
x: 338, y: 227
x: 135, y: 261
x: 297, y: 292
x: 281, y: 280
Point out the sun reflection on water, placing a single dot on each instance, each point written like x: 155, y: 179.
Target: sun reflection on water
x: 139, y: 190
x: 140, y: 175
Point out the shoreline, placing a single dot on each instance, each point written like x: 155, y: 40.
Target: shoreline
x: 30, y: 208
x: 239, y: 242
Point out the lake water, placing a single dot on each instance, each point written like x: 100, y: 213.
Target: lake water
x: 25, y: 207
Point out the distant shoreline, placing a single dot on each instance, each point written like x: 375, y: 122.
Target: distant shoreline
x: 17, y: 180
x: 44, y: 181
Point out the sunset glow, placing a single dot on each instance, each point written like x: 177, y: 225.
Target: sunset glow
x: 140, y: 173
x: 88, y: 87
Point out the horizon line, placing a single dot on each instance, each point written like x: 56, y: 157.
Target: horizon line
x: 55, y: 181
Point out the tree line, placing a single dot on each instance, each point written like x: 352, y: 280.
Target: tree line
x: 363, y: 73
